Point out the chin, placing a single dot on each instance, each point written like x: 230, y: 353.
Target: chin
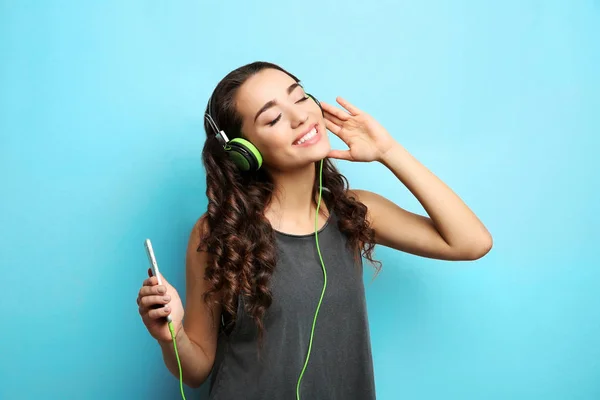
x: 322, y: 152
x: 318, y: 153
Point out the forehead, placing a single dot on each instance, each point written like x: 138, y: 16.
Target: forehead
x: 266, y: 85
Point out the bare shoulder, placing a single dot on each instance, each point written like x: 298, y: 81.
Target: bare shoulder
x: 374, y: 202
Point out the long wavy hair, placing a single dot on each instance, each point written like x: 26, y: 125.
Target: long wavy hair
x: 239, y: 238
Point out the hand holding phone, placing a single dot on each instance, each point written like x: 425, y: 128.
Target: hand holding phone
x: 158, y: 301
x: 154, y: 269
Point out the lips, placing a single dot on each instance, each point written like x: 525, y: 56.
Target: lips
x: 307, y: 135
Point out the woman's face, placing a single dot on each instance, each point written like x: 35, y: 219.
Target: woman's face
x: 282, y: 121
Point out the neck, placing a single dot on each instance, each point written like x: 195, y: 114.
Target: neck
x: 293, y: 204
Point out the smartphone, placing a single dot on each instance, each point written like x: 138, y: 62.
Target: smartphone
x: 154, y: 267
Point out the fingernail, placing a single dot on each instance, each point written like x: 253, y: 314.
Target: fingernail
x: 167, y: 298
x: 167, y: 309
x: 161, y: 289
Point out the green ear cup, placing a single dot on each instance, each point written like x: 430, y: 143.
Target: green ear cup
x: 244, y: 154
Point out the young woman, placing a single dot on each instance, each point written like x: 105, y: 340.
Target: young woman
x: 275, y: 304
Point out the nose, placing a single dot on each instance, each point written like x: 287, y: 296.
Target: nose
x: 298, y: 118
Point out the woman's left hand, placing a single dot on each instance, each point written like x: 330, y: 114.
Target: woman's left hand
x: 366, y: 138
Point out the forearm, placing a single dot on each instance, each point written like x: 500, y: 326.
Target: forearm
x: 453, y: 219
x: 195, y: 365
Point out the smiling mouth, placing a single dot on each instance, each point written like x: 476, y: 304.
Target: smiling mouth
x: 307, y: 136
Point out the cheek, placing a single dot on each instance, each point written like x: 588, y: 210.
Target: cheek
x: 274, y: 148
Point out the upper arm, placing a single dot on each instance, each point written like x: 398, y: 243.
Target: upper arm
x: 403, y: 230
x: 202, y: 319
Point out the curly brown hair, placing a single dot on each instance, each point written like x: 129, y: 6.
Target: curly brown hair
x: 239, y: 238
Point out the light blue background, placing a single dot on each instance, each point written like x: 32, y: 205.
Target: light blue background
x: 101, y: 131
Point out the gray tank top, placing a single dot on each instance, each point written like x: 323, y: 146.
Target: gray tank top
x: 340, y: 365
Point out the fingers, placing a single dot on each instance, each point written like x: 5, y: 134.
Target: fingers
x: 335, y: 129
x: 154, y: 301
x: 153, y: 305
x: 150, y: 281
x: 346, y: 104
x: 150, y: 287
x: 334, y: 111
x: 340, y: 155
x: 152, y: 290
x: 352, y: 110
x: 332, y: 118
x: 155, y: 313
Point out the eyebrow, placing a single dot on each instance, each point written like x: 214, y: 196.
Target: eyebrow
x: 271, y: 103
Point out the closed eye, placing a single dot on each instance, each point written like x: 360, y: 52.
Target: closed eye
x: 279, y: 116
x: 275, y: 120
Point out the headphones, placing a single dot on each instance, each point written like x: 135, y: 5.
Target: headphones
x: 243, y: 153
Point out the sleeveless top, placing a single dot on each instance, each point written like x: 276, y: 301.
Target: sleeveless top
x: 340, y: 366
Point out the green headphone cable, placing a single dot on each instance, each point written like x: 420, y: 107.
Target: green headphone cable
x: 172, y: 330
x: 324, y: 281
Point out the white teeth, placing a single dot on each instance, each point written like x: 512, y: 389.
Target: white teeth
x: 308, y: 136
